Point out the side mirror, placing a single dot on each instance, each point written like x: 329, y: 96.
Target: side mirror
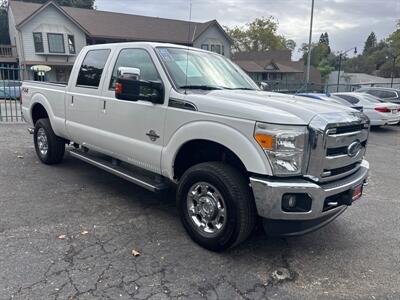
x: 264, y: 86
x: 130, y: 87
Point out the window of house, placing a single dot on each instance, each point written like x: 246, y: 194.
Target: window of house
x: 92, y: 68
x: 216, y: 48
x: 71, y: 44
x: 38, y: 41
x: 135, y: 58
x: 204, y: 47
x: 56, y: 42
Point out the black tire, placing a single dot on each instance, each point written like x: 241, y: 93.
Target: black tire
x: 56, y: 145
x: 237, y: 198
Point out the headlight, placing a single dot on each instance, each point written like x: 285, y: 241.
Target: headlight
x: 284, y: 146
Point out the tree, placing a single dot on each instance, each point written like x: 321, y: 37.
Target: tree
x: 89, y: 4
x: 370, y: 43
x: 259, y: 35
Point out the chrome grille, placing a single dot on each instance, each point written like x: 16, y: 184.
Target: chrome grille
x: 330, y: 137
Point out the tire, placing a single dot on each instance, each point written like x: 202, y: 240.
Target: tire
x: 228, y: 192
x: 55, y: 145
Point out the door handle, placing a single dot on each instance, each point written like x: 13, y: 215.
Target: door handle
x: 72, y: 100
x: 104, y: 105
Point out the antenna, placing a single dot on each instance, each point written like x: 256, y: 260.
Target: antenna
x: 187, y: 52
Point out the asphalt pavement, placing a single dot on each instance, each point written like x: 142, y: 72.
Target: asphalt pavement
x: 68, y: 231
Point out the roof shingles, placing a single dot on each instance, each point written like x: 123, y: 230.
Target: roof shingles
x: 104, y: 24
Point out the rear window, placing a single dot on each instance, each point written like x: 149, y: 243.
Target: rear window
x: 350, y: 99
x: 92, y: 68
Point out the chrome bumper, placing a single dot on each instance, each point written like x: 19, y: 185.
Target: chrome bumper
x: 268, y: 194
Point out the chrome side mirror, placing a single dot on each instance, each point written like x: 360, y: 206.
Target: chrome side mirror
x: 128, y: 73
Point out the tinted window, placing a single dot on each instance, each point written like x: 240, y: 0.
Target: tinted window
x: 92, y: 67
x: 135, y: 58
x: 387, y: 94
x: 375, y: 93
x: 351, y: 99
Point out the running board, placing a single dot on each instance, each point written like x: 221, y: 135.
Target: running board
x: 151, y: 184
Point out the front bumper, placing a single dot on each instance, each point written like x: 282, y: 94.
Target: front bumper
x: 268, y: 193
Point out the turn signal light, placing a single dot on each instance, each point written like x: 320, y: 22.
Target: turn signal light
x: 264, y: 140
x: 383, y: 109
x: 118, y: 88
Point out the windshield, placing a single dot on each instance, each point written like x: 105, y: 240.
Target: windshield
x: 204, y: 70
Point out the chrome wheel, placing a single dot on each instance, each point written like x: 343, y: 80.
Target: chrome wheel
x: 42, y: 142
x: 206, y: 208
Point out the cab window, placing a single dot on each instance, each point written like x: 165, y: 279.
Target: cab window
x: 92, y: 67
x: 135, y: 58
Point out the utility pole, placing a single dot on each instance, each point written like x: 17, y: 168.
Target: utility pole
x: 340, y: 64
x: 392, y: 74
x: 309, y: 46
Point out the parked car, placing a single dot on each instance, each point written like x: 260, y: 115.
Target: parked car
x: 331, y: 98
x: 387, y: 94
x: 10, y: 89
x: 380, y: 113
x: 162, y: 115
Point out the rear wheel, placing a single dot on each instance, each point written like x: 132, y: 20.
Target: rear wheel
x: 49, y: 147
x: 216, y: 205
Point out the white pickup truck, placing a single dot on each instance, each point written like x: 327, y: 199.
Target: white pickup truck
x: 162, y: 115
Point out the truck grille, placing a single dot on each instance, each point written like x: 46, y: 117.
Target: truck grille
x: 337, y: 145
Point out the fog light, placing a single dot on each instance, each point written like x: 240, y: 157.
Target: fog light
x: 290, y: 200
x: 296, y: 203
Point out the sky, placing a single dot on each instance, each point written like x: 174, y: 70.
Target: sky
x: 348, y: 22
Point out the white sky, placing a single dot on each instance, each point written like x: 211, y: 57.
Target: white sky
x: 348, y: 22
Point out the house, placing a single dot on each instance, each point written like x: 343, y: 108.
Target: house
x: 275, y: 66
x: 52, y: 35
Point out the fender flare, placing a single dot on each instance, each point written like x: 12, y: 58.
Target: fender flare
x: 56, y: 122
x: 249, y: 152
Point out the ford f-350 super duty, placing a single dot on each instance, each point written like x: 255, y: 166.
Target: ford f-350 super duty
x: 162, y: 115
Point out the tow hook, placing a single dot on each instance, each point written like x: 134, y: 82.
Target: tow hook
x: 31, y: 130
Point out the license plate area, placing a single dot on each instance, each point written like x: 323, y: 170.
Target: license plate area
x: 344, y: 198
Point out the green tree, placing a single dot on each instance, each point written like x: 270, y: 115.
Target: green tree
x: 370, y: 43
x: 4, y: 35
x: 89, y: 4
x: 259, y: 35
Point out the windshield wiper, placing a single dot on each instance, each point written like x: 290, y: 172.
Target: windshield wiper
x: 200, y: 87
x: 240, y: 88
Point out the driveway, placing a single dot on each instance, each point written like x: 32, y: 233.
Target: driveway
x: 68, y: 232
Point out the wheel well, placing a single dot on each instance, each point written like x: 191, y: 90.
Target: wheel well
x: 198, y: 151
x: 38, y: 112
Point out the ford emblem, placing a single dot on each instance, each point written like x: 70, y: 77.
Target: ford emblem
x: 354, y: 148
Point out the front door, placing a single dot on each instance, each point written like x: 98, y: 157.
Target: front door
x: 133, y: 130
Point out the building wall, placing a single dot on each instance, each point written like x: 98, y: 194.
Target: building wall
x: 213, y: 35
x: 48, y: 21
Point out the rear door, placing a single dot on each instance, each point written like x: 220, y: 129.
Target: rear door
x: 133, y: 130
x: 83, y: 96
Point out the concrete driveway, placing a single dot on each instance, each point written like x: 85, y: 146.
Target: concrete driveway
x: 68, y: 232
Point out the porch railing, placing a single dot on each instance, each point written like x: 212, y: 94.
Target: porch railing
x: 8, y: 51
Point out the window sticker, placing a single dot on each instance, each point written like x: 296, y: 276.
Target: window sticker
x: 192, y: 71
x: 164, y: 53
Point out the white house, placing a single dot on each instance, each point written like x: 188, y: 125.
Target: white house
x: 53, y: 35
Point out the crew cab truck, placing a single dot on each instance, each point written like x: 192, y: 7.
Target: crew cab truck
x: 163, y: 115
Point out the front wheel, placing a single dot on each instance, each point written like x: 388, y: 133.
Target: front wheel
x: 216, y: 205
x: 49, y: 147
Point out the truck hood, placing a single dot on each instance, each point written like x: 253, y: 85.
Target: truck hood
x: 262, y: 106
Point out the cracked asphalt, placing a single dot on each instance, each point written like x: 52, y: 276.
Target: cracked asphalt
x: 355, y: 257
